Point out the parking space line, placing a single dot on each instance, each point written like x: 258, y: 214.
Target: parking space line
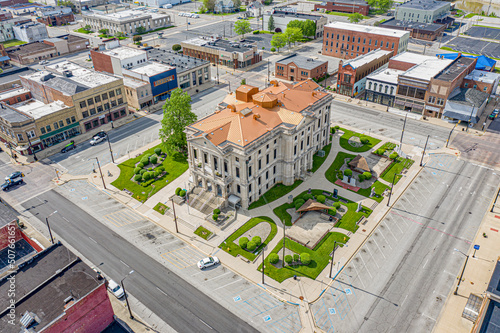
x: 371, y: 254
x: 218, y: 276
x: 227, y: 284
x: 364, y: 264
x: 379, y: 248
x: 380, y: 231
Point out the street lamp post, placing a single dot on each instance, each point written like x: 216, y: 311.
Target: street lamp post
x: 29, y: 142
x: 470, y: 117
x: 263, y: 264
x: 284, y: 238
x: 333, y: 257
x: 125, y: 293
x: 423, y: 154
x: 449, y: 136
x: 463, y: 270
x: 402, y: 133
x: 48, y: 226
x: 110, y: 150
x: 392, y: 187
x: 175, y: 216
x: 99, y: 166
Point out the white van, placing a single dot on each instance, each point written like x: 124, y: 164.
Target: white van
x: 115, y: 289
x: 167, y: 6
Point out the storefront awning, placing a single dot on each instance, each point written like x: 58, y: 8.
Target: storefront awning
x: 234, y: 200
x: 460, y: 116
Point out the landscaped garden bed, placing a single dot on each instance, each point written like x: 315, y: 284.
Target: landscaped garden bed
x: 149, y: 172
x: 356, y: 142
x: 319, y: 258
x: 319, y: 160
x: 203, y: 232
x: 161, y: 208
x: 233, y: 244
x: 274, y: 193
x: 396, y: 168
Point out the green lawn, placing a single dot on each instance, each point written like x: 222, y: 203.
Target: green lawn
x: 175, y: 165
x: 344, y: 141
x: 81, y: 30
x: 13, y: 42
x: 348, y: 221
x: 388, y: 146
x: 331, y: 175
x: 320, y: 258
x: 470, y: 15
x: 396, y: 168
x: 203, y: 233
x: 161, y: 208
x: 234, y: 249
x: 318, y: 161
x: 274, y: 193
x: 485, y: 26
x: 159, y: 29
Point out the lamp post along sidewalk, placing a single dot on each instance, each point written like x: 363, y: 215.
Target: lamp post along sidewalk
x: 48, y: 226
x: 125, y: 294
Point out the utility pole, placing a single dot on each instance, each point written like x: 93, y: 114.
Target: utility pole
x: 284, y: 238
x: 268, y: 72
x: 423, y: 154
x: 31, y: 148
x: 333, y: 257
x: 449, y: 136
x: 99, y: 166
x: 125, y: 293
x: 402, y: 133
x: 392, y: 188
x: 461, y: 274
x: 110, y: 150
x: 175, y: 216
x: 48, y: 226
x: 470, y: 118
x: 263, y: 263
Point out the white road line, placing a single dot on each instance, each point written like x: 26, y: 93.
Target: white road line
x: 164, y: 293
x: 206, y: 324
x: 404, y: 301
x: 93, y: 240
x: 124, y: 263
x: 386, y: 240
x: 364, y: 264
x: 379, y: 248
x: 175, y: 240
x: 142, y: 226
x: 425, y: 263
x: 397, y: 225
x: 217, y: 276
x: 371, y: 254
x: 359, y: 276
x: 423, y: 314
x: 392, y: 234
x: 227, y: 285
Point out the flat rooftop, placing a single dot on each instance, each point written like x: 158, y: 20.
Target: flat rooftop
x: 283, y: 13
x: 412, y: 25
x: 29, y: 48
x: 423, y: 4
x: 150, y: 68
x: 456, y: 68
x: 12, y: 74
x: 37, y: 109
x: 411, y: 58
x: 44, y: 284
x: 367, y: 58
x: 130, y: 14
x: 427, y: 69
x: 367, y: 29
x: 123, y: 52
x: 128, y: 82
x: 301, y: 62
x: 12, y: 116
x: 13, y: 92
x: 387, y: 75
x: 482, y: 76
x: 357, y: 2
x: 221, y: 44
x: 179, y: 61
x: 7, y: 214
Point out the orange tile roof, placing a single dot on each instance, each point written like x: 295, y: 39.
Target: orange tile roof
x: 249, y: 121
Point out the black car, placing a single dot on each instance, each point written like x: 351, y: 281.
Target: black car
x: 10, y: 183
x: 14, y: 175
x: 101, y: 134
x: 68, y: 147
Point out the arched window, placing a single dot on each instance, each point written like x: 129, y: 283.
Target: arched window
x: 370, y: 86
x: 380, y: 88
x: 375, y: 87
x: 392, y: 90
x: 386, y: 88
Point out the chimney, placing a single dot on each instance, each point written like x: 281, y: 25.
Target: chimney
x: 256, y: 116
x: 232, y: 107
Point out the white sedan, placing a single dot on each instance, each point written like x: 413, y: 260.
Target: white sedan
x: 207, y: 262
x: 96, y: 139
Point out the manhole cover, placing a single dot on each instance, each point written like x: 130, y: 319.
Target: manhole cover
x: 149, y: 236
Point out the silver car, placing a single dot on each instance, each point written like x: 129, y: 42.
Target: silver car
x: 97, y: 139
x: 207, y: 262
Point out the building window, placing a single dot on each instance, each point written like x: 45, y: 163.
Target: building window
x: 104, y: 96
x: 249, y: 188
x: 111, y: 93
x: 238, y: 189
x: 48, y: 128
x: 92, y: 111
x: 68, y: 121
x: 83, y: 104
x: 120, y: 101
x: 20, y: 137
x: 42, y: 129
x: 466, y: 84
x: 260, y: 164
x: 30, y: 134
x: 99, y: 108
x: 90, y: 101
x: 118, y: 91
x: 73, y: 119
x: 97, y: 99
x: 432, y: 99
x: 485, y: 88
x: 369, y: 86
x: 275, y: 152
x: 249, y: 171
x: 376, y: 42
x: 274, y: 170
x: 295, y: 150
x: 237, y: 172
x: 56, y: 126
x: 440, y: 101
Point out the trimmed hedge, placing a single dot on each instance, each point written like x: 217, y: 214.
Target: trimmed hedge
x: 182, y: 193
x: 243, y: 242
x: 153, y: 159
x: 321, y: 198
x: 215, y: 217
x: 251, y: 246
x: 158, y: 151
x: 305, y: 258
x: 347, y: 172
x: 273, y: 258
x: 137, y: 170
x: 288, y: 259
x: 178, y: 190
x: 216, y: 211
x: 257, y: 240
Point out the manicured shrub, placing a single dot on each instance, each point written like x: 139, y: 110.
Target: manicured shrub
x: 182, y: 193
x: 305, y: 258
x: 156, y: 173
x: 215, y: 217
x: 243, y: 241
x: 393, y: 156
x: 347, y: 172
x: 332, y: 211
x: 296, y: 257
x: 178, y: 190
x: 138, y: 178
x: 158, y: 151
x: 137, y: 171
x: 273, y: 258
x: 299, y: 203
x: 321, y: 198
x: 140, y: 165
x: 336, y: 205
x: 256, y: 32
x: 379, y: 151
x: 364, y: 140
x: 161, y: 168
x: 307, y: 196
x: 176, y: 47
x: 145, y: 160
x: 336, y: 127
x: 143, y: 171
x: 146, y: 176
x: 257, y: 240
x: 367, y: 175
x: 288, y: 259
x: 216, y: 211
x: 361, y: 177
x: 251, y: 246
x: 273, y: 49
x: 332, y: 130
x: 153, y: 159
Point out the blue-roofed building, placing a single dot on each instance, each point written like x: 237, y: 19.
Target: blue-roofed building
x: 483, y: 63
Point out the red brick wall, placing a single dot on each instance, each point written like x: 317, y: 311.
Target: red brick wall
x: 5, y: 16
x: 480, y: 85
x: 286, y: 73
x: 91, y: 314
x: 14, y: 100
x: 355, y: 35
x: 102, y: 62
x: 4, y: 234
x: 401, y: 65
x: 344, y: 7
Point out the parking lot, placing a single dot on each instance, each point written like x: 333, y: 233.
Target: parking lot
x: 484, y: 32
x: 250, y: 302
x: 475, y: 46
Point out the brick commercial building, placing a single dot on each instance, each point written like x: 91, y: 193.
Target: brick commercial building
x: 126, y: 21
x: 483, y: 81
x: 444, y: 83
x: 55, y: 292
x: 424, y: 11
x: 55, y: 16
x: 424, y: 31
x: 284, y: 15
x: 344, y: 6
x: 299, y: 68
x: 5, y: 16
x: 7, y: 27
x: 256, y: 139
x: 14, y: 95
x: 223, y: 52
x: 347, y: 40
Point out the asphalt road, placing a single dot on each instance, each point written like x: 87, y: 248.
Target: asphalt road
x: 399, y: 280
x: 175, y: 301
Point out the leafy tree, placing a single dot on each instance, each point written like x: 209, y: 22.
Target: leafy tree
x: 321, y: 198
x: 177, y: 115
x: 243, y: 82
x: 87, y: 28
x: 273, y: 258
x: 138, y: 178
x: 309, y: 28
x: 104, y: 31
x: 368, y: 175
x: 137, y: 170
x: 336, y: 205
x: 209, y: 5
x: 157, y: 150
x: 243, y: 241
x: 182, y: 193
x: 178, y: 190
x: 299, y: 203
x: 119, y: 34
x: 153, y: 159
x: 278, y: 41
x: 305, y: 258
x: 242, y: 27
x: 140, y: 30
x: 292, y: 35
x: 332, y: 211
x: 348, y: 172
x: 288, y: 259
x: 237, y: 3
x: 216, y: 211
x: 137, y: 38
x: 385, y: 5
x: 215, y: 217
x: 355, y: 17
x: 176, y: 47
x: 361, y: 177
x: 393, y: 156
x: 257, y: 240
x: 270, y: 24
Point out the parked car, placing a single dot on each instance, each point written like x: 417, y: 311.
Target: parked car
x: 115, y: 289
x: 207, y: 262
x: 97, y: 139
x: 102, y: 134
x: 14, y: 175
x: 68, y: 147
x: 11, y: 183
x: 43, y: 62
x: 494, y: 114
